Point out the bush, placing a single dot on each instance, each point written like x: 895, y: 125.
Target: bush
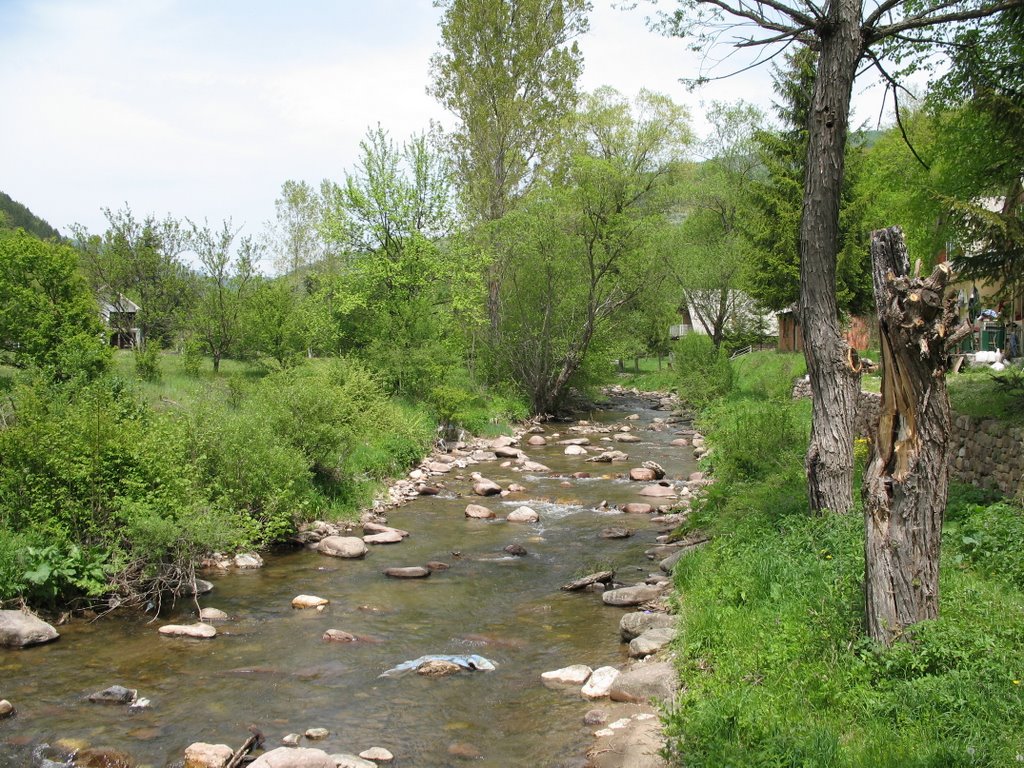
x: 753, y: 440
x: 147, y: 363
x: 191, y: 358
x: 704, y: 372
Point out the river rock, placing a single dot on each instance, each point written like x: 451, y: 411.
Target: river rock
x: 483, y: 456
x: 102, y: 757
x: 248, y: 560
x: 294, y: 757
x: 616, y: 533
x: 643, y: 682
x: 352, y: 761
x: 651, y: 641
x: 309, y: 601
x: 317, y: 734
x: 659, y: 490
x: 377, y: 754
x: 637, y: 508
x: 350, y: 547
x: 516, y: 550
x: 670, y: 562
x: 600, y: 683
x: 6, y: 709
x: 503, y: 441
x: 427, y: 490
x: 464, y: 751
x: 199, y: 630
x: 523, y: 515
x: 536, y: 440
x: 633, y: 417
x: 479, y: 512
x: 384, y: 537
x: 575, y: 441
x: 370, y: 527
x: 599, y: 577
x: 696, y: 477
x: 625, y: 437
x: 438, y: 467
x: 407, y: 572
x: 516, y: 488
x: 576, y: 674
x: 534, y: 466
x: 438, y: 668
x: 642, y: 475
x: 625, y: 596
x: 609, y: 456
x: 202, y: 755
x: 595, y: 717
x: 485, y: 487
x: 115, y: 694
x: 212, y: 614
x: 437, y: 565
x: 656, y: 468
x: 508, y: 453
x: 291, y: 739
x: 575, y: 450
x: 635, y: 624
x: 338, y: 636
x: 680, y: 442
x: 19, y: 629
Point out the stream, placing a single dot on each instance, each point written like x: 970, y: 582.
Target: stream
x: 268, y: 665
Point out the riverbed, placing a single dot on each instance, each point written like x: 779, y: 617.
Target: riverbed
x: 269, y: 666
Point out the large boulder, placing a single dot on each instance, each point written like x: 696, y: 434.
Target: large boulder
x: 534, y: 466
x: 294, y: 757
x: 577, y: 674
x: 479, y: 512
x: 642, y: 474
x: 575, y: 450
x: 625, y: 437
x: 350, y: 547
x: 19, y: 629
x: 638, y: 508
x: 384, y: 537
x: 485, y: 487
x: 643, y: 682
x: 600, y: 683
x: 309, y: 601
x: 658, y: 490
x: 408, y: 572
x: 536, y: 440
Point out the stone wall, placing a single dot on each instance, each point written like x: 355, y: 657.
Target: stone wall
x: 985, y: 453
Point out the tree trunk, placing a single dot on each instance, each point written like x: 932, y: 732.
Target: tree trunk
x: 833, y: 370
x: 905, y: 483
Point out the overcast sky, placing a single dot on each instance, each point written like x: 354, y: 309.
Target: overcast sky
x: 203, y: 109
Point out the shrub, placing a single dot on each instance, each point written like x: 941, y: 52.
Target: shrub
x: 753, y: 440
x: 704, y: 372
x: 147, y: 363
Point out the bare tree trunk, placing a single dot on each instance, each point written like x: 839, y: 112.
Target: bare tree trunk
x: 906, y: 480
x: 834, y: 371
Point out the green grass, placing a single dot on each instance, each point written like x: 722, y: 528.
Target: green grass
x: 767, y: 374
x: 772, y: 654
x: 974, y: 392
x: 176, y: 388
x: 647, y: 375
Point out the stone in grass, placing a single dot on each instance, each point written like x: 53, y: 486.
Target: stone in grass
x: 643, y: 682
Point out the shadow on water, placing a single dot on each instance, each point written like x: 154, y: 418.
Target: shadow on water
x: 269, y: 666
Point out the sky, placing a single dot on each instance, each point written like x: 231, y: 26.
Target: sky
x: 203, y: 109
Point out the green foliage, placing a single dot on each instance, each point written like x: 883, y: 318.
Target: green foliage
x: 191, y: 357
x: 768, y: 374
x: 704, y: 372
x: 147, y: 362
x: 977, y: 392
x: 50, y: 319
x: 14, y: 215
x: 984, y: 535
x: 753, y: 440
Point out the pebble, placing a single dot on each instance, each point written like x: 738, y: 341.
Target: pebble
x: 6, y: 708
x: 317, y: 734
x: 377, y: 754
x: 308, y: 601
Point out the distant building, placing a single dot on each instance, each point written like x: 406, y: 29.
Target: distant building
x: 121, y: 318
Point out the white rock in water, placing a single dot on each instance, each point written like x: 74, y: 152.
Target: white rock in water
x: 342, y: 546
x: 377, y: 754
x: 201, y: 631
x: 294, y: 757
x: 202, y: 755
x: 208, y: 614
x: 308, y: 601
x: 19, y: 629
x: 600, y: 683
x: 575, y: 450
x: 576, y: 674
x: 248, y: 560
x: 523, y: 515
x: 351, y: 761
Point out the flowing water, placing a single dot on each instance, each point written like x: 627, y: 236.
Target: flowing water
x: 268, y: 666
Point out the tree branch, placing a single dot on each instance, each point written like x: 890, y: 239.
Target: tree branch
x: 894, y: 86
x: 927, y: 19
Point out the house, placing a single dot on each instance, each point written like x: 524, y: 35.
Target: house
x: 856, y: 331
x: 121, y: 317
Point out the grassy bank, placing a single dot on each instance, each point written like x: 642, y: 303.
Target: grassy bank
x: 776, y: 667
x: 116, y: 485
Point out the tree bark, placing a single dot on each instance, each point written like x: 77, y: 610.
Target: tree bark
x: 833, y: 370
x: 906, y: 481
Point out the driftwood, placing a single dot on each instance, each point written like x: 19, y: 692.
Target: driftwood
x: 255, y: 740
x: 906, y: 481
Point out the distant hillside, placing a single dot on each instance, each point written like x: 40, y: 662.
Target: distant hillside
x: 13, y: 215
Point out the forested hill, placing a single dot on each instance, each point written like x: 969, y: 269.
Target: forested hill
x: 13, y: 215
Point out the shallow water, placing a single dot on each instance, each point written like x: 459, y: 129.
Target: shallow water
x: 268, y: 666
